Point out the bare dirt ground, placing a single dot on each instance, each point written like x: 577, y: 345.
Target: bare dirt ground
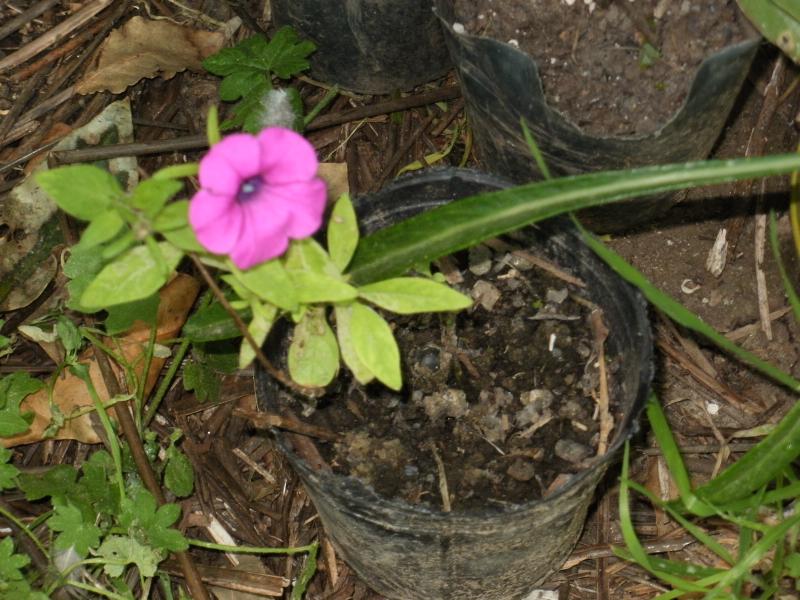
x: 242, y: 482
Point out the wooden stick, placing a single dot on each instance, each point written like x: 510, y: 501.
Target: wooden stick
x: 56, y: 34
x: 264, y: 419
x: 28, y: 92
x: 383, y: 108
x: 52, y: 56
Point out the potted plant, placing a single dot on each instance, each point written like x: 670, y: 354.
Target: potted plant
x: 479, y: 547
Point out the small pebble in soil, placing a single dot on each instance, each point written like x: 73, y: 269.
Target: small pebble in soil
x: 521, y: 470
x: 485, y: 294
x: 480, y: 260
x: 572, y: 451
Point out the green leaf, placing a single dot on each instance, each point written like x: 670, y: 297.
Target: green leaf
x: 173, y: 216
x: 241, y: 83
x: 14, y: 389
x: 202, y: 380
x: 141, y: 519
x: 8, y: 473
x: 96, y: 484
x: 409, y: 295
x: 69, y: 335
x: 121, y: 317
x: 123, y: 550
x: 342, y: 232
x: 213, y: 323
x: 313, y: 354
x: 10, y: 562
x: 308, y: 255
x: 375, y: 345
x: 648, y: 55
x: 259, y: 327
x: 132, y: 276
x: 84, y: 191
x: 271, y: 283
x: 178, y: 474
x: 343, y: 313
x: 778, y: 21
x: 248, y: 70
x: 81, y: 268
x: 285, y: 55
x: 102, y: 228
x: 151, y: 195
x: 56, y: 481
x: 118, y: 245
x: 74, y: 531
x: 313, y: 287
x: 183, y: 238
x: 394, y: 250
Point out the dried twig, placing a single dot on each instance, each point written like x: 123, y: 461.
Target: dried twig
x: 264, y: 419
x: 600, y: 332
x: 26, y: 17
x: 755, y: 145
x: 28, y: 91
x: 384, y: 108
x: 443, y: 490
x: 54, y: 35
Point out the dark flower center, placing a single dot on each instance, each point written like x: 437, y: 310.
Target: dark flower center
x: 249, y: 189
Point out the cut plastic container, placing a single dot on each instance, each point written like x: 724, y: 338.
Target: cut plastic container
x: 501, y: 85
x: 369, y: 46
x: 410, y: 552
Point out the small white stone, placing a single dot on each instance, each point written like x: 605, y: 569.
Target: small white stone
x: 459, y: 28
x: 513, y: 42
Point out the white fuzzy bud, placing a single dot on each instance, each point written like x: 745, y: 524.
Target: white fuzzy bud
x: 278, y: 110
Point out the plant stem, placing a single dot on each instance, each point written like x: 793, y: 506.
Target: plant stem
x: 9, y: 516
x: 251, y: 549
x: 155, y: 402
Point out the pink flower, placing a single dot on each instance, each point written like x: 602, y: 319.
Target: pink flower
x: 257, y: 192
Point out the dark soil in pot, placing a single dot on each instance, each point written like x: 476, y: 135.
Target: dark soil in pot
x: 596, y: 59
x: 501, y: 402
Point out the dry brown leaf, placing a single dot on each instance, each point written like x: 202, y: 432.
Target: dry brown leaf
x: 335, y: 177
x: 70, y: 393
x: 144, y: 49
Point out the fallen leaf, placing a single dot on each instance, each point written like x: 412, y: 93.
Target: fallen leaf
x: 144, y: 49
x: 335, y: 177
x: 69, y: 392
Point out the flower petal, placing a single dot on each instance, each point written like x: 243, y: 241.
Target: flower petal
x: 286, y: 156
x: 205, y: 208
x: 306, y: 203
x: 223, y: 234
x: 229, y: 162
x: 263, y: 235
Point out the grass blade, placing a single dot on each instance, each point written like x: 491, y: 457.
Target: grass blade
x: 421, y: 239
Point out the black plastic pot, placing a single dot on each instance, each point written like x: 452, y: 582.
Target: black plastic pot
x: 408, y: 552
x: 501, y: 85
x: 369, y: 46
